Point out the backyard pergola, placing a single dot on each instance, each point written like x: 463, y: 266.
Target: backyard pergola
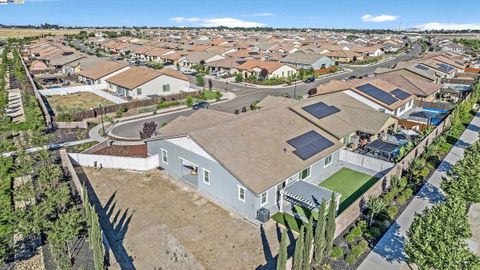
x: 306, y: 195
x: 380, y: 148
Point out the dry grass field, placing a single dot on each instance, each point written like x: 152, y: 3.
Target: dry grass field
x: 76, y: 102
x: 19, y: 33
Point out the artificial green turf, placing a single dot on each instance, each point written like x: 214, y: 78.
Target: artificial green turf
x: 288, y: 221
x: 351, y: 184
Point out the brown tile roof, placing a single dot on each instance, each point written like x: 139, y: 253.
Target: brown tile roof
x: 101, y: 69
x: 271, y: 66
x: 261, y: 136
x: 412, y: 84
x: 137, y: 76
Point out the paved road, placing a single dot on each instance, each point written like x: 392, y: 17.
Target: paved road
x: 389, y: 254
x: 246, y: 95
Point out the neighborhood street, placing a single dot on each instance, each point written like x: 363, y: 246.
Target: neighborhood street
x: 246, y: 95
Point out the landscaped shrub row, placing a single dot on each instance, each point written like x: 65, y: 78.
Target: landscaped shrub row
x: 354, y: 243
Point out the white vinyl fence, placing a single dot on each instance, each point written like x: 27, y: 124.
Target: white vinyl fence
x: 113, y: 162
x: 364, y: 161
x: 95, y: 89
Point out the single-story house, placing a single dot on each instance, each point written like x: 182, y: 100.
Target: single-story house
x: 423, y: 90
x: 98, y: 73
x: 344, y: 56
x: 303, y: 60
x: 196, y: 58
x: 252, y: 173
x: 274, y: 69
x: 37, y: 67
x: 376, y: 93
x: 142, y: 82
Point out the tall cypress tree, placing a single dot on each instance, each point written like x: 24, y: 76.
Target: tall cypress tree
x: 330, y: 225
x: 298, y: 255
x: 308, y: 244
x: 282, y: 254
x: 319, y: 240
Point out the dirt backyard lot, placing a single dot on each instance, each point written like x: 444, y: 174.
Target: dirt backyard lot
x: 162, y: 223
x: 76, y: 102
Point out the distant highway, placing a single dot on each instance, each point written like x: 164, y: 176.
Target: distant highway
x: 246, y: 95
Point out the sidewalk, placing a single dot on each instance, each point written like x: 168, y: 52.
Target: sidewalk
x: 388, y: 254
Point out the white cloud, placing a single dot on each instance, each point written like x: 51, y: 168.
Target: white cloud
x: 214, y: 22
x: 185, y: 20
x: 379, y: 18
x: 262, y: 14
x: 448, y: 26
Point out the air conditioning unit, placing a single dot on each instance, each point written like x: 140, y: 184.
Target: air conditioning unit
x: 263, y: 215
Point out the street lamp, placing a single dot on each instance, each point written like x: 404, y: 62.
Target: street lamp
x: 295, y: 90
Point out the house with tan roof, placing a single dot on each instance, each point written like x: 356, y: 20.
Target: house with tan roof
x: 142, y: 82
x: 268, y: 160
x: 196, y: 58
x: 99, y: 72
x: 344, y: 56
x: 376, y: 93
x: 273, y: 68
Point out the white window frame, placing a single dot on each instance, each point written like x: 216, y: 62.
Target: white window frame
x: 139, y: 91
x: 164, y: 155
x: 309, y: 168
x: 325, y: 164
x: 266, y: 198
x: 244, y: 193
x: 209, y: 175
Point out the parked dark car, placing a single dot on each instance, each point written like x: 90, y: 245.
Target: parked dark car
x: 200, y: 105
x: 310, y: 79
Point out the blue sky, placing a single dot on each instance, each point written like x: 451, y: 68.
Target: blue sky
x: 371, y: 14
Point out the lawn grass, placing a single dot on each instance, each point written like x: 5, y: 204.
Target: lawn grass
x: 288, y: 220
x: 350, y: 184
x: 76, y: 102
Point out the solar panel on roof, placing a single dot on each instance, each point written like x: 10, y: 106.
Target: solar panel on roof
x: 309, y: 144
x: 320, y: 110
x: 377, y: 93
x: 421, y: 67
x: 444, y: 67
x: 399, y: 93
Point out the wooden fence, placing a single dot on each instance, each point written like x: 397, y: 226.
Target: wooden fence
x: 434, y: 105
x: 80, y: 116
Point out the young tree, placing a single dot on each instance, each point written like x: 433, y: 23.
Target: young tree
x: 464, y: 179
x: 330, y: 224
x: 200, y: 81
x: 66, y: 228
x: 308, y: 244
x: 282, y: 254
x: 376, y: 205
x: 210, y: 84
x: 298, y: 255
x: 148, y: 130
x: 436, y: 239
x: 319, y: 240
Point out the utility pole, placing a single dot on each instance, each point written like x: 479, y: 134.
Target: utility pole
x: 295, y: 90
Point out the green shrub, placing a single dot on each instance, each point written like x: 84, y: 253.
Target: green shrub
x: 356, y: 231
x: 189, y: 101
x: 374, y: 232
x: 350, y: 238
x: 351, y: 259
x: 337, y: 252
x: 388, y: 197
x: 362, y: 224
x: 392, y: 211
x: 359, y: 249
x: 166, y: 104
x: 404, y: 196
x: 123, y: 108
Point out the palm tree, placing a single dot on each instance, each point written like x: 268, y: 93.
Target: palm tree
x: 376, y: 205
